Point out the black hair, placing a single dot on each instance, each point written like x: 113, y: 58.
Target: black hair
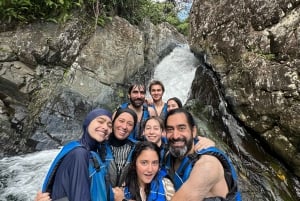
x: 128, y: 110
x: 139, y: 85
x: 132, y: 178
x: 177, y: 100
x: 189, y: 117
x: 156, y: 82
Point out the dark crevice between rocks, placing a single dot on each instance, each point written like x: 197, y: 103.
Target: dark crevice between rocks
x: 58, y: 141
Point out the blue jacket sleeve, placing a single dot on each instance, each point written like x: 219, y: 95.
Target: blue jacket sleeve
x: 72, y: 178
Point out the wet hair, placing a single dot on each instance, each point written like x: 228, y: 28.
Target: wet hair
x: 189, y: 117
x: 177, y: 100
x: 139, y: 85
x: 128, y: 110
x: 156, y: 82
x: 132, y: 178
x: 158, y: 119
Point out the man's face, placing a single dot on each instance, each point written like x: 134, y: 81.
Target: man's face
x: 179, y: 134
x: 156, y: 92
x: 137, y: 96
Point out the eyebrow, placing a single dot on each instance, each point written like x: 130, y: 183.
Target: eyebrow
x: 176, y: 125
x: 101, y: 117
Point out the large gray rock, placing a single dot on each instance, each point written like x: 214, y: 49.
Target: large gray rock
x: 52, y: 76
x: 253, y: 49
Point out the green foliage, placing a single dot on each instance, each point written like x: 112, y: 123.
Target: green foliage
x: 165, y: 12
x: 31, y: 10
x: 101, y: 10
x: 269, y: 56
x: 156, y: 12
x: 183, y: 27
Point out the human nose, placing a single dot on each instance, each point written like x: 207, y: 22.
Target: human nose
x: 139, y: 94
x: 150, y: 167
x: 106, y: 127
x: 151, y: 131
x: 176, y: 134
x: 123, y: 125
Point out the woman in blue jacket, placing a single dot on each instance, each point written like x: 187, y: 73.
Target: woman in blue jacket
x: 144, y: 180
x: 70, y: 178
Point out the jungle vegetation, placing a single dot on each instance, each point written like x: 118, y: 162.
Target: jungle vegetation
x: 18, y: 12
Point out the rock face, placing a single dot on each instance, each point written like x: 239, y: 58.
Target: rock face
x: 52, y: 75
x: 253, y: 48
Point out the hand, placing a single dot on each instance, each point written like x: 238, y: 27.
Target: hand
x: 118, y: 193
x: 203, y: 143
x: 42, y: 196
x: 149, y: 101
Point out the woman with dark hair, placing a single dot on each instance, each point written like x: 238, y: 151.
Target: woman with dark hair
x: 145, y: 180
x: 173, y: 103
x: 118, y: 149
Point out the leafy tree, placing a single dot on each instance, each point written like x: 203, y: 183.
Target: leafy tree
x: 26, y: 11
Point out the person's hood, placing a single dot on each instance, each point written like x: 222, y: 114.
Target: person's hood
x: 86, y: 139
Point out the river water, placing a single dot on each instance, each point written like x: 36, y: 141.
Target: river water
x: 22, y: 176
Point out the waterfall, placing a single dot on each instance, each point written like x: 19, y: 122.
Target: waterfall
x: 177, y: 71
x: 22, y: 176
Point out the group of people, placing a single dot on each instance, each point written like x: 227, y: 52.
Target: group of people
x: 145, y: 150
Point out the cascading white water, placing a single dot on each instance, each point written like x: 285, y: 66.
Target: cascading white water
x: 22, y: 176
x: 177, y: 72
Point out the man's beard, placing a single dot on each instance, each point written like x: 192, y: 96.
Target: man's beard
x: 137, y: 103
x: 180, y: 152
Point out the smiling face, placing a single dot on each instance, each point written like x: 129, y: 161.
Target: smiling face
x: 137, y: 95
x: 147, y: 165
x: 180, y: 134
x: 153, y: 131
x: 156, y: 92
x: 172, y: 105
x: 123, y: 125
x: 100, y: 128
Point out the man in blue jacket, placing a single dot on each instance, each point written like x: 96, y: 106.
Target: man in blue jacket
x: 207, y: 175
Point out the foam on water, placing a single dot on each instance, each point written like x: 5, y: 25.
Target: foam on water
x: 22, y: 176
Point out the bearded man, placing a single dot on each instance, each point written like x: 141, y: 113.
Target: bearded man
x: 136, y: 96
x: 205, y: 175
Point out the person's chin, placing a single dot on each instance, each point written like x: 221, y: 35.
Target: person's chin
x: 138, y: 103
x: 100, y: 139
x: 148, y: 180
x: 178, y: 151
x: 122, y: 137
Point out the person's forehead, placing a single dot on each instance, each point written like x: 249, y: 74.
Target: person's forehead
x: 177, y: 119
x: 147, y: 152
x: 152, y: 122
x: 104, y: 117
x: 138, y: 88
x: 172, y: 102
x: 126, y: 115
x: 156, y: 86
